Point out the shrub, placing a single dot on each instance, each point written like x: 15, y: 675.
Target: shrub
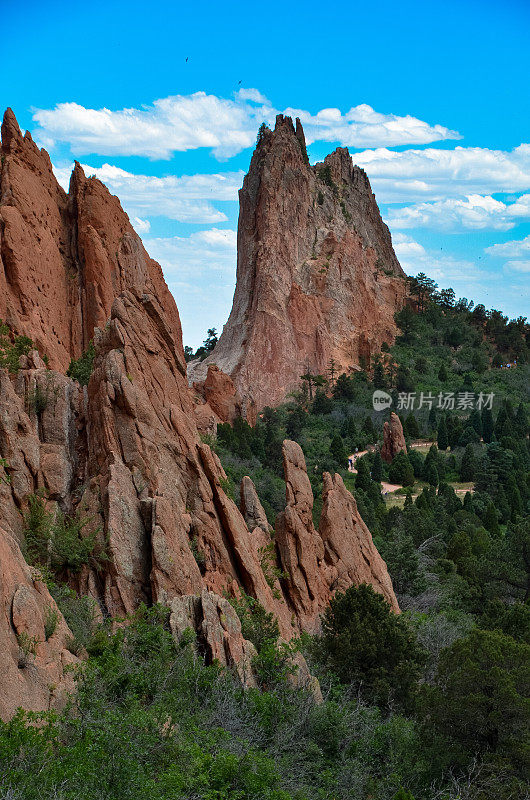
x: 37, y: 530
x: 197, y: 554
x: 11, y: 350
x: 324, y: 174
x: 37, y: 399
x: 267, y: 557
x: 480, y: 695
x: 81, y: 369
x: 51, y: 618
x: 58, y: 542
x: 257, y: 625
x: 400, y: 470
x: 80, y: 614
x: 27, y: 646
x: 369, y: 647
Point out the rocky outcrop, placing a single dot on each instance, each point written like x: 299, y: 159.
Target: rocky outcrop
x: 251, y: 507
x: 125, y: 452
x: 64, y: 257
x: 33, y: 650
x: 317, y: 277
x: 217, y: 396
x: 393, y: 438
x: 34, y: 637
x: 349, y: 549
x: 217, y: 627
x: 319, y: 563
x: 300, y: 548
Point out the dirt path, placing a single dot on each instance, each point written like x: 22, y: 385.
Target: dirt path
x: 353, y: 458
x: 385, y: 487
x: 390, y: 487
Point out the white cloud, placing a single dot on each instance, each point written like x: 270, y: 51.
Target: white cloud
x: 226, y: 126
x: 436, y: 174
x: 141, y: 226
x: 513, y: 249
x: 185, y: 198
x: 517, y: 266
x: 204, y: 253
x: 475, y: 212
x: 200, y: 272
x: 518, y: 251
x: 361, y: 125
x: 445, y: 269
x: 254, y: 95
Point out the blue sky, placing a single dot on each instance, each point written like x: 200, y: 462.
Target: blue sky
x: 163, y: 100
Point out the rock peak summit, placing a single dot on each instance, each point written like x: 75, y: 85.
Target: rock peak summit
x: 317, y: 276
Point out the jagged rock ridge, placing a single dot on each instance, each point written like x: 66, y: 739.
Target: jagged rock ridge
x: 64, y: 257
x: 125, y: 451
x: 317, y: 276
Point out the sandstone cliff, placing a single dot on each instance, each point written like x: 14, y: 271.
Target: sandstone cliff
x: 317, y: 277
x: 64, y: 257
x: 125, y: 452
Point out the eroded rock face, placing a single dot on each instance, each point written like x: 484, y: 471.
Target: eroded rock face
x: 125, y: 452
x: 221, y: 399
x: 393, y: 438
x: 218, y: 630
x: 319, y: 563
x: 63, y: 257
x: 350, y: 552
x: 317, y: 277
x: 301, y: 549
x: 251, y: 507
x: 32, y: 664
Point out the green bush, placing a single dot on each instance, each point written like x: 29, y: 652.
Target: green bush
x: 57, y: 542
x: 81, y: 369
x: 27, y: 646
x: 369, y: 647
x: 480, y: 697
x: 12, y: 348
x: 400, y: 470
x: 51, y: 618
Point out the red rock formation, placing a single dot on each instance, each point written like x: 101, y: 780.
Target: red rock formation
x: 349, y: 548
x: 64, y: 257
x: 221, y: 398
x: 218, y: 628
x: 317, y: 277
x: 126, y: 451
x: 393, y: 438
x: 31, y: 665
x: 300, y: 548
x: 340, y: 554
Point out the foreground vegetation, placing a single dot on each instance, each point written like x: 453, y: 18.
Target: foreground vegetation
x: 430, y: 705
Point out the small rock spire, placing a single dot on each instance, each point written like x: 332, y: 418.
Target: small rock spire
x: 10, y: 129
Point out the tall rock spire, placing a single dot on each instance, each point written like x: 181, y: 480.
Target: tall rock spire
x: 317, y: 276
x: 64, y: 257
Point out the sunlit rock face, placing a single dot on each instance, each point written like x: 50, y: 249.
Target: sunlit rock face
x: 125, y: 452
x: 317, y: 276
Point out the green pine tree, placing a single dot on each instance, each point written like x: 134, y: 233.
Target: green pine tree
x: 491, y: 520
x: 338, y: 451
x: 487, y: 425
x: 377, y: 468
x: 442, y: 437
x: 468, y: 465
